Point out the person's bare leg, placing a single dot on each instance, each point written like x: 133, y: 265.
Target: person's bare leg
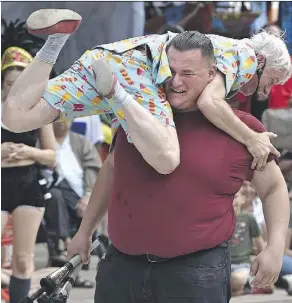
x: 157, y: 142
x: 4, y: 220
x: 25, y: 96
x: 5, y: 278
x: 25, y: 222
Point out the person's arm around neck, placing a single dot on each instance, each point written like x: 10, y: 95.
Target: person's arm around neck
x: 213, y: 106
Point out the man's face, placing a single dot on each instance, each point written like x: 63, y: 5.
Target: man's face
x: 269, y: 78
x: 191, y: 72
x: 61, y: 128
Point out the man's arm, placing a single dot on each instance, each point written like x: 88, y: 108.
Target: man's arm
x: 98, y: 202
x: 272, y: 189
x: 94, y: 213
x: 212, y: 104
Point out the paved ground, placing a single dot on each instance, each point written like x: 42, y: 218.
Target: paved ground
x: 86, y: 295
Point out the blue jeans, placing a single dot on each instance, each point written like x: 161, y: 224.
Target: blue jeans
x: 286, y: 266
x: 201, y: 277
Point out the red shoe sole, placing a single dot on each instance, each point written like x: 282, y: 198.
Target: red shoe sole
x: 62, y: 27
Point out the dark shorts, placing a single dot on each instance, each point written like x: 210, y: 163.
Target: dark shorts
x: 20, y: 186
x: 61, y: 215
x: 201, y: 277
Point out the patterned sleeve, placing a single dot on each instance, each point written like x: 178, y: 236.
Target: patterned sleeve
x: 74, y: 92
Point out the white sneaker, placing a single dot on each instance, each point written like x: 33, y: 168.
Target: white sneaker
x: 105, y: 78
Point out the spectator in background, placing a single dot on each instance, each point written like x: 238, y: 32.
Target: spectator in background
x: 281, y: 95
x: 246, y: 235
x: 78, y: 164
x: 105, y: 146
x: 253, y: 205
x: 91, y: 128
x: 22, y: 196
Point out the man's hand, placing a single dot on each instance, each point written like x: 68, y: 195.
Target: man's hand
x: 266, y: 267
x: 81, y: 205
x: 80, y: 245
x: 260, y: 147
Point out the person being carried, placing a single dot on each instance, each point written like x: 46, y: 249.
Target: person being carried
x: 141, y: 69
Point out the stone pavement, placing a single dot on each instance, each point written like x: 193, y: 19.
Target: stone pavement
x: 86, y: 295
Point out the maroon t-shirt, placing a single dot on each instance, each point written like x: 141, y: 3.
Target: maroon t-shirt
x: 188, y: 210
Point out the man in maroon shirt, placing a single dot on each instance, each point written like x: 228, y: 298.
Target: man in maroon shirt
x: 169, y: 233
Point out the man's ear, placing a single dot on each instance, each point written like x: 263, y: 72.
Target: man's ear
x: 212, y: 73
x: 261, y: 61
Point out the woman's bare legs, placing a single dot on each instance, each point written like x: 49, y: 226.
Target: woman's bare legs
x: 25, y: 223
x: 4, y: 220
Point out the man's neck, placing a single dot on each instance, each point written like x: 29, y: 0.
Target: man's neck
x: 185, y: 110
x: 61, y: 139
